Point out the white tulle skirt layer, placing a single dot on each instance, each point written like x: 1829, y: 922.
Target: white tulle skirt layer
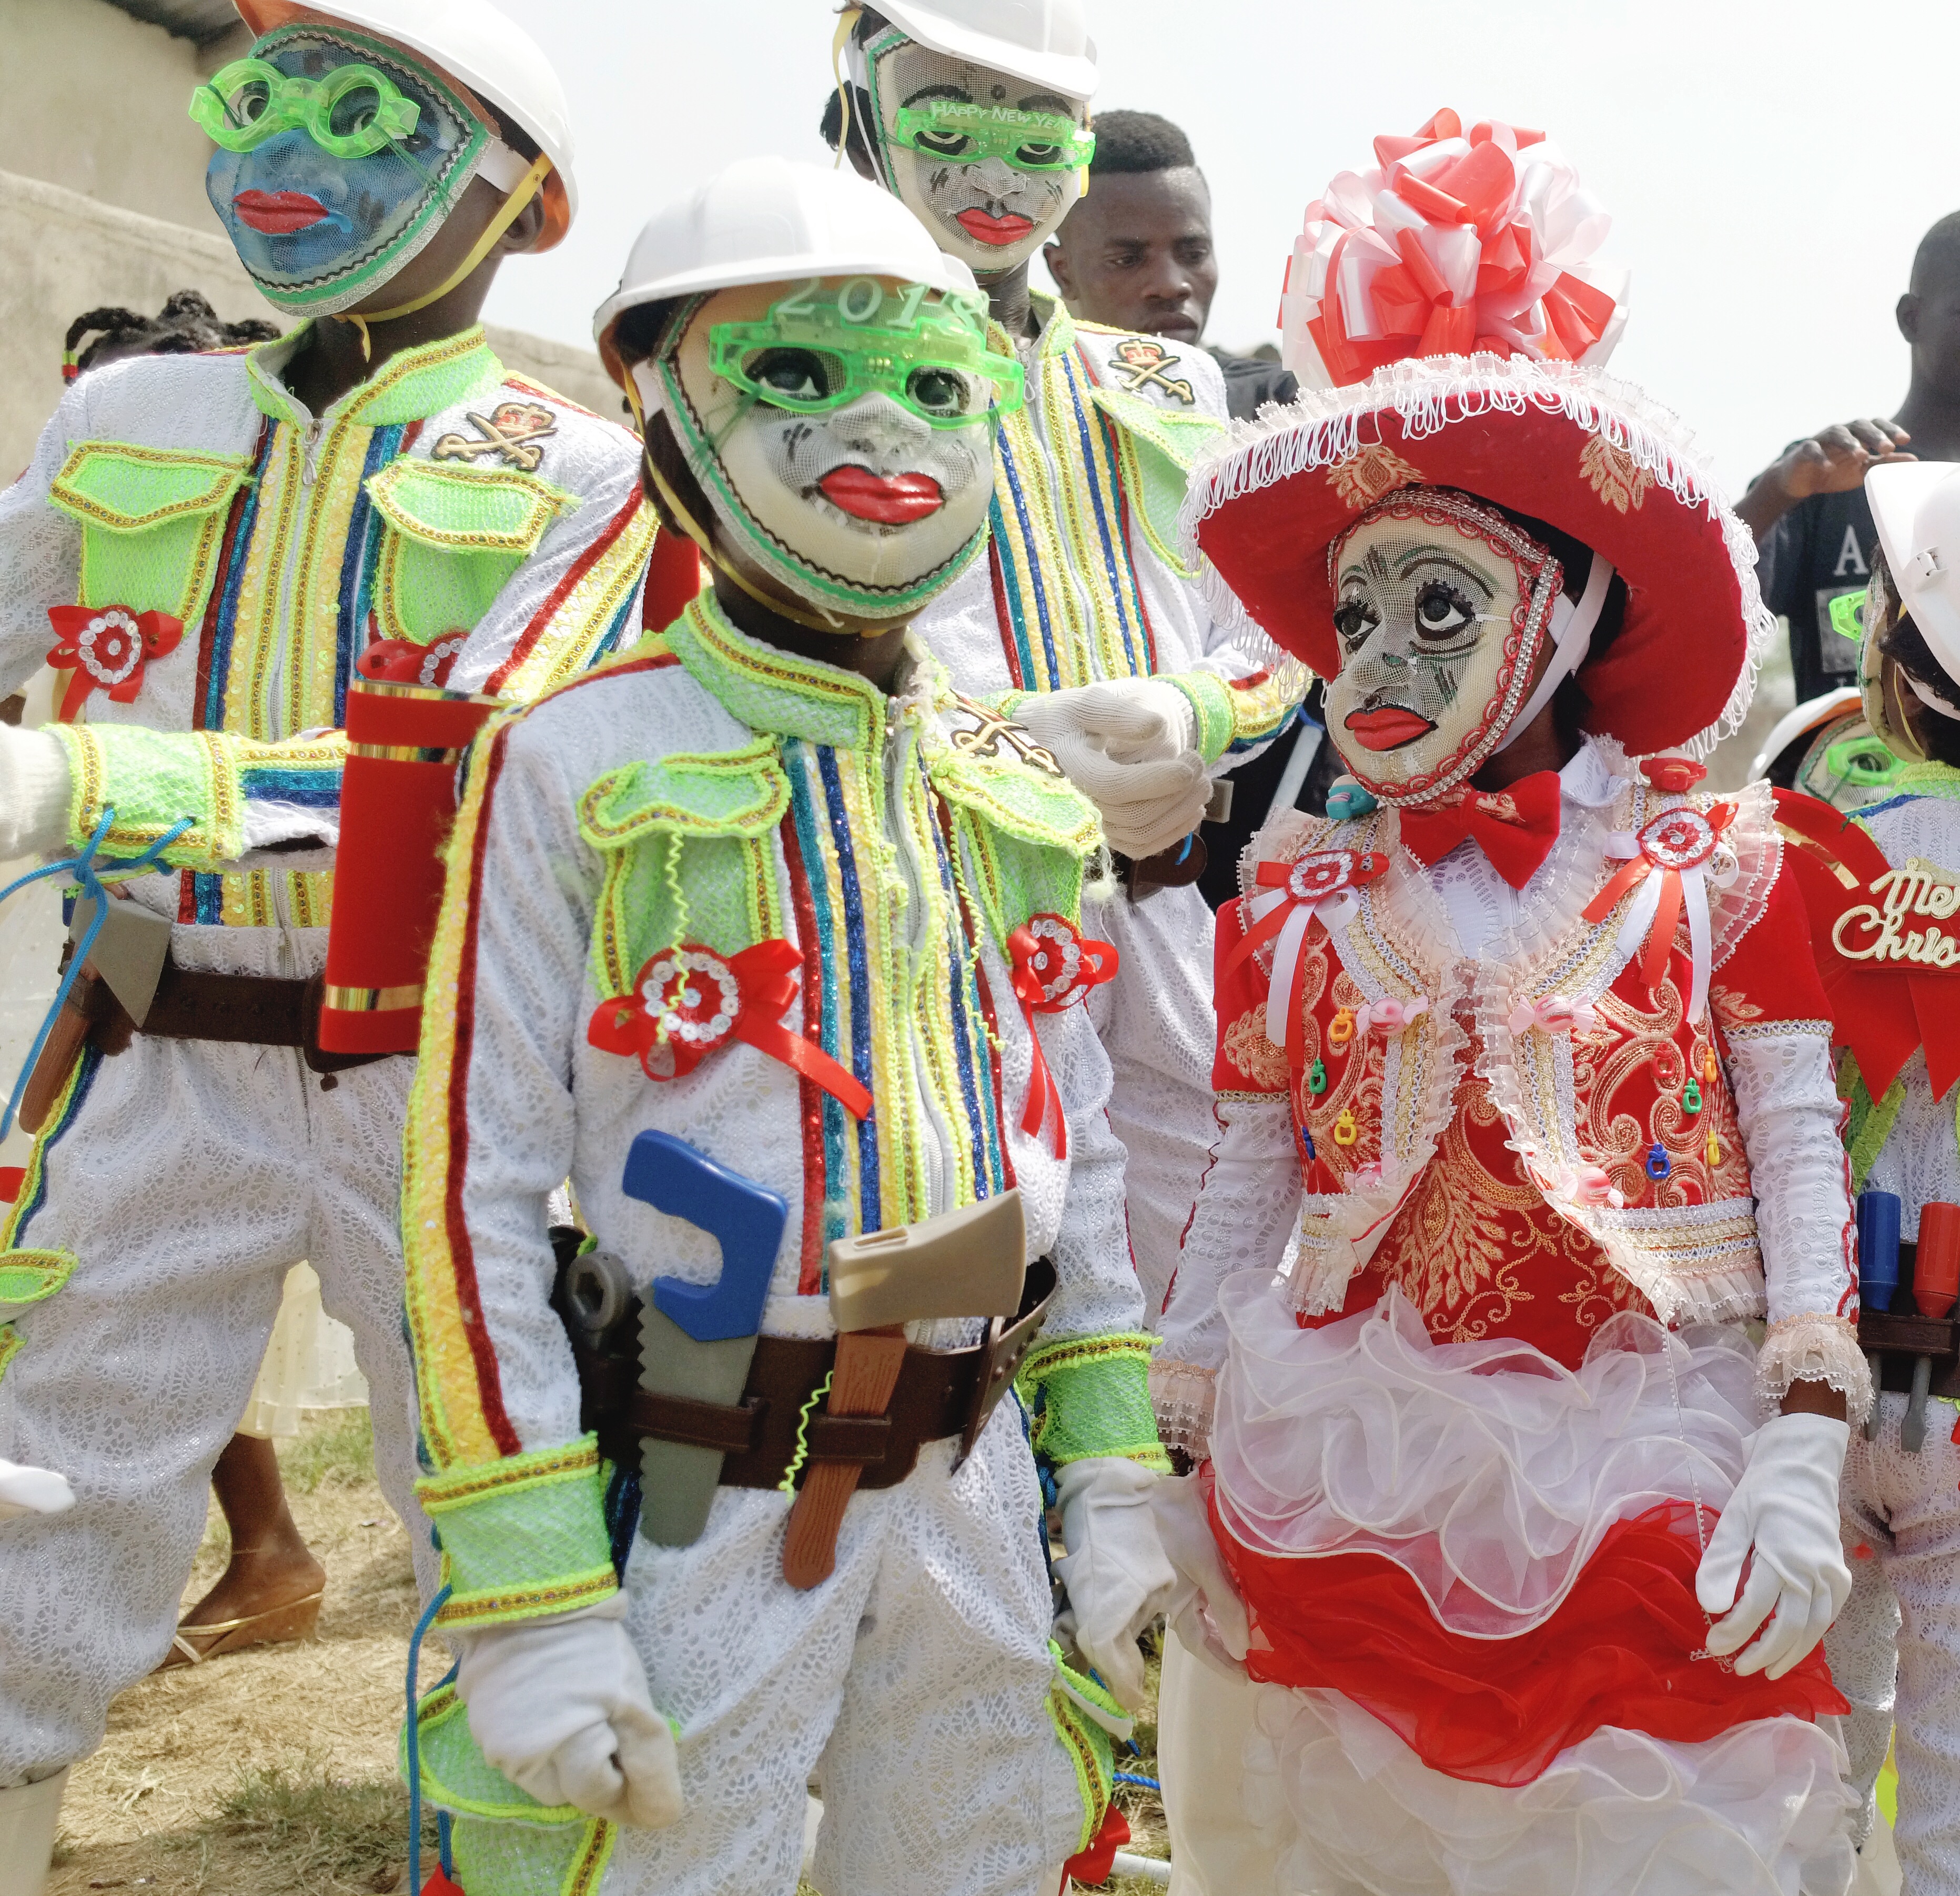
x: 1347, y: 1807
x: 1488, y: 1470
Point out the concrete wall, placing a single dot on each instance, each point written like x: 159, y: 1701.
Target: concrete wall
x: 96, y: 101
x: 62, y: 252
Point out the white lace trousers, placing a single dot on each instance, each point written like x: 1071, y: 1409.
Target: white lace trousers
x: 184, y: 1183
x: 1204, y: 1721
x: 912, y: 1686
x: 1156, y: 1025
x: 1902, y: 1621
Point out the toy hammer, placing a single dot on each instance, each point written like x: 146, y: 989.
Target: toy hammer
x: 970, y: 1263
x: 697, y: 1339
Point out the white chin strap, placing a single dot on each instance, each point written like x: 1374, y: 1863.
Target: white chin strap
x: 1572, y: 624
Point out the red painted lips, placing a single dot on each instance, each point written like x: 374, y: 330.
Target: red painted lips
x: 983, y: 227
x: 278, y: 213
x: 891, y: 499
x: 1387, y: 728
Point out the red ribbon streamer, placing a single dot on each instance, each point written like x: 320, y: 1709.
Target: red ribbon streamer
x: 766, y: 985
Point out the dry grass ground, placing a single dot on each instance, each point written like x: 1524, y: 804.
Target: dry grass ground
x: 272, y: 1773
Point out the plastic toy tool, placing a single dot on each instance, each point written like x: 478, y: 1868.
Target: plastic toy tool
x: 697, y: 1339
x: 968, y: 1263
x: 1877, y: 1270
x: 1935, y: 1284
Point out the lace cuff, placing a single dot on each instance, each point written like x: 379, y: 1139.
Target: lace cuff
x: 1815, y: 1349
x: 1182, y: 1394
x: 1088, y: 1396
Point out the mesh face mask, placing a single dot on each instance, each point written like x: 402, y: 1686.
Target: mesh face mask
x: 989, y: 165
x: 846, y: 449
x: 1436, y: 662
x: 818, y: 349
x: 339, y: 157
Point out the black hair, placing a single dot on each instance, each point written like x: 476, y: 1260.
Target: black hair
x: 832, y: 124
x: 186, y: 325
x: 1938, y: 255
x: 1902, y: 642
x: 1570, y: 707
x: 640, y: 331
x: 1138, y: 142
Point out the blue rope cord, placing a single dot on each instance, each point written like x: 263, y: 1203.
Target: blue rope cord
x: 83, y: 868
x: 1130, y: 1777
x: 422, y: 1626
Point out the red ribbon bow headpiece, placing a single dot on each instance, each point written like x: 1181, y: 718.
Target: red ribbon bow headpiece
x: 689, y: 1001
x: 1515, y: 828
x: 1669, y: 867
x: 1319, y: 886
x: 1055, y: 965
x: 106, y: 646
x: 1451, y: 242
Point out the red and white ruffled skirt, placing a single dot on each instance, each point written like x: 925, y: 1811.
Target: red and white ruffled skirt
x: 1470, y: 1575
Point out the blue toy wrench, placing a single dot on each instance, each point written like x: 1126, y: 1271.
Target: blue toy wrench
x: 696, y: 1340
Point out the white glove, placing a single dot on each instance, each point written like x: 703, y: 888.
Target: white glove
x: 33, y: 793
x: 24, y: 1491
x: 1130, y: 745
x: 1205, y: 1612
x: 561, y: 1707
x: 1116, y: 1574
x: 1785, y: 1508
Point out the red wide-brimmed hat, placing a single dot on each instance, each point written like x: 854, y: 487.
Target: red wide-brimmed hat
x: 1561, y: 442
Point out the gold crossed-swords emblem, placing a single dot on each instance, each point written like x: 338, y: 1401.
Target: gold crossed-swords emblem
x: 1147, y: 361
x: 512, y: 434
x: 992, y: 730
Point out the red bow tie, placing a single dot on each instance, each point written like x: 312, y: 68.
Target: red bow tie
x: 1515, y: 828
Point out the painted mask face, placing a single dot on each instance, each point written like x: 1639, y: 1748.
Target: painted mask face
x: 339, y: 158
x: 988, y: 163
x: 1441, y: 607
x: 841, y: 431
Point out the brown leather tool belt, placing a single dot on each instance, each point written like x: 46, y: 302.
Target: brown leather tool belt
x: 259, y: 1010
x: 941, y: 1394
x: 1899, y: 1337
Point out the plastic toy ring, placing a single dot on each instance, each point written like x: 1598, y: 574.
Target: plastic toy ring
x: 1341, y: 1029
x: 1345, y: 1130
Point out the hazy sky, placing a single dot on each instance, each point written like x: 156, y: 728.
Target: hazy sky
x: 1769, y: 168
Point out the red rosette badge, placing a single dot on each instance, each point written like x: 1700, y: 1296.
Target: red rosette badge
x: 1055, y: 965
x: 106, y: 648
x: 688, y: 1000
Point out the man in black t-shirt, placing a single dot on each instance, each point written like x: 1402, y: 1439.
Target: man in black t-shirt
x: 1814, y: 532
x: 1136, y: 252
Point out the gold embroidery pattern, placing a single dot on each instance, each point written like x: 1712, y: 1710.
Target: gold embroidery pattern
x: 1246, y: 1047
x: 1613, y: 475
x: 1369, y: 473
x: 1460, y: 1245
x: 1644, y: 1045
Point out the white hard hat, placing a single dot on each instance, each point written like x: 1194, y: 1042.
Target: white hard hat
x: 1811, y: 715
x: 770, y: 221
x: 1045, y: 42
x: 1917, y: 505
x: 485, y: 51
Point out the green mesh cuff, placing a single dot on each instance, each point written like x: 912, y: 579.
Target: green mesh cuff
x: 152, y: 779
x: 26, y: 1277
x: 1090, y: 1747
x: 504, y: 1840
x: 523, y: 1537
x: 1211, y: 699
x: 1091, y: 1396
x: 1009, y: 704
